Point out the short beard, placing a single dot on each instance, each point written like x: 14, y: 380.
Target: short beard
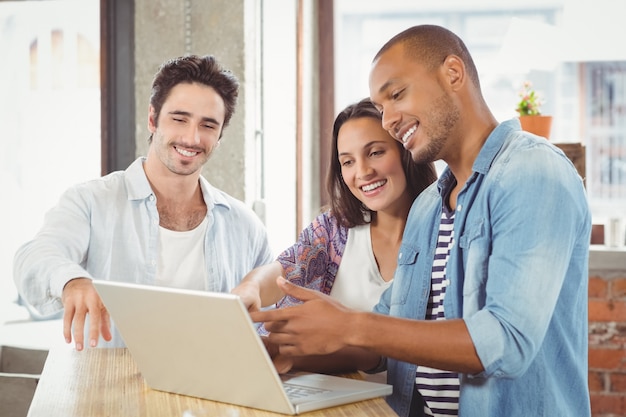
x: 443, y: 117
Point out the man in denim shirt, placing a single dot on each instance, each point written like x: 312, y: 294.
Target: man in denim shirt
x: 159, y: 222
x: 490, y: 293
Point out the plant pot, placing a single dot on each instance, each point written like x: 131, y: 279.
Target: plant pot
x: 540, y: 125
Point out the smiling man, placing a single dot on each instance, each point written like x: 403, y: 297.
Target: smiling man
x: 159, y: 222
x: 487, y: 312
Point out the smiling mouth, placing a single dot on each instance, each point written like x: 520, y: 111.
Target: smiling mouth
x: 373, y: 186
x: 408, y: 133
x: 184, y: 152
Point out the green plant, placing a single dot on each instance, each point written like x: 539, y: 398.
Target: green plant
x: 530, y: 102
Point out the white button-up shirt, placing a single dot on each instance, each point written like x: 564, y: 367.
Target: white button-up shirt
x: 108, y: 228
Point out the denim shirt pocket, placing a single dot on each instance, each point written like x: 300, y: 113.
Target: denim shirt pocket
x: 405, y: 275
x: 474, y: 247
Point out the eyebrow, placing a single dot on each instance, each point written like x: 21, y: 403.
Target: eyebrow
x: 367, y: 145
x: 386, y: 85
x: 382, y: 90
x: 187, y: 114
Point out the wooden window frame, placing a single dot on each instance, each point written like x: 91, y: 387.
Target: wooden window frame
x: 117, y: 90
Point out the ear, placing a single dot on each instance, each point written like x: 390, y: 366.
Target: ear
x: 151, y: 119
x: 455, y: 74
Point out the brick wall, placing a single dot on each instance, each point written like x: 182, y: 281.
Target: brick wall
x: 607, y: 343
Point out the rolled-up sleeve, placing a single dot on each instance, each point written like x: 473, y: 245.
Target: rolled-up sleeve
x: 56, y: 255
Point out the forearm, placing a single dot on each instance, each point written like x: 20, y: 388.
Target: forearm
x: 263, y: 280
x: 322, y: 325
x: 348, y: 359
x: 441, y: 344
x: 55, y: 255
x: 40, y: 276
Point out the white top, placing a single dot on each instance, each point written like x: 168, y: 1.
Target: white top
x: 180, y: 259
x: 358, y: 283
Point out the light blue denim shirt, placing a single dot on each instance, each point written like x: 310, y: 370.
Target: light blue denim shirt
x: 108, y: 228
x: 518, y: 276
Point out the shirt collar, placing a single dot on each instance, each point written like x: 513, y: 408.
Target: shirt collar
x: 493, y: 144
x: 487, y: 153
x: 139, y: 188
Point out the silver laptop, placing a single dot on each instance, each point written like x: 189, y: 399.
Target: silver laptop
x: 204, y: 344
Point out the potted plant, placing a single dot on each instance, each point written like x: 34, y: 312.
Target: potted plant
x: 529, y: 110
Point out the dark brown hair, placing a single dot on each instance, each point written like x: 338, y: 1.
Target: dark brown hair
x: 195, y: 69
x: 344, y: 205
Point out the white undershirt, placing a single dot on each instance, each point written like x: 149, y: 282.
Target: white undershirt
x: 358, y: 283
x: 181, y: 261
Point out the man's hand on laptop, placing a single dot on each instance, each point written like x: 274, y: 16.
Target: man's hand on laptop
x: 79, y: 298
x: 282, y: 363
x: 318, y: 326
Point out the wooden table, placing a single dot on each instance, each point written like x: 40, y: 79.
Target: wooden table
x: 106, y: 382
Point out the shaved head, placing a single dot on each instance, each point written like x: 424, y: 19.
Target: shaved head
x: 430, y: 45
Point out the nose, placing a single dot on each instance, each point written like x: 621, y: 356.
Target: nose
x: 193, y: 134
x: 364, y: 170
x: 390, y: 120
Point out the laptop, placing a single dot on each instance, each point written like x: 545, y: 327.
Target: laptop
x: 204, y: 344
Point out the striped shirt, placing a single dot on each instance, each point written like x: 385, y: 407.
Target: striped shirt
x: 440, y: 389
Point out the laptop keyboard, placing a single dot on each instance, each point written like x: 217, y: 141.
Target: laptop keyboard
x: 296, y: 392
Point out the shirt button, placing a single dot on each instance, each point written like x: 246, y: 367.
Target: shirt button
x: 459, y: 207
x: 400, y: 255
x: 151, y: 198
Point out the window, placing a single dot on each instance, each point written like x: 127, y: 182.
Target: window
x: 583, y: 81
x: 605, y: 113
x: 49, y: 114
